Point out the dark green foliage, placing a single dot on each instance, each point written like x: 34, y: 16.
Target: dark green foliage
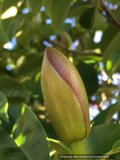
x: 24, y: 129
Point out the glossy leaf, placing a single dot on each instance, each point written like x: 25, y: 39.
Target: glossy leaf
x: 102, y: 137
x: 111, y: 152
x: 3, y: 107
x: 99, y: 22
x: 24, y: 36
x: 59, y: 146
x: 117, y: 13
x: 90, y: 44
x: 34, y: 89
x: 48, y: 4
x: 30, y: 67
x: 113, y: 63
x: 13, y: 113
x: 87, y: 18
x: 111, y: 112
x: 89, y: 77
x: 118, y: 98
x: 49, y: 130
x: 117, y: 146
x: 34, y: 6
x: 55, y: 156
x: 9, y: 17
x: 101, y: 117
x: 13, y: 90
x: 9, y: 149
x: 113, y: 1
x: 3, y: 157
x: 46, y: 30
x: 59, y: 13
x: 108, y: 34
x: 3, y: 69
x: 2, y: 35
x: 78, y: 8
x: 113, y: 46
x: 30, y: 136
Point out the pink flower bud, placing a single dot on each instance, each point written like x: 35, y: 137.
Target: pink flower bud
x: 64, y: 96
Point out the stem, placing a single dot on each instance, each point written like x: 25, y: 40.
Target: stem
x: 82, y: 53
x: 110, y: 15
x: 78, y: 147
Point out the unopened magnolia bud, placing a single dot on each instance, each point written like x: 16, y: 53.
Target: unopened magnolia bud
x: 65, y: 97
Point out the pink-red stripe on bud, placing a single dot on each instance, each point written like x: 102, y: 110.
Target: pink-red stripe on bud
x: 64, y: 96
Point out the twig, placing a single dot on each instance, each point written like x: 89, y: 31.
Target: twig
x: 82, y: 42
x: 72, y: 51
x: 90, y: 1
x: 110, y: 15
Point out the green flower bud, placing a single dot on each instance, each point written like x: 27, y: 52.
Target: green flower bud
x: 64, y: 96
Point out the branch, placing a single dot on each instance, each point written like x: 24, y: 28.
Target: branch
x: 82, y: 42
x: 72, y: 51
x: 89, y: 1
x: 110, y: 15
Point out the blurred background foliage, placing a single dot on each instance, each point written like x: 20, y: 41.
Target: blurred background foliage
x: 86, y: 31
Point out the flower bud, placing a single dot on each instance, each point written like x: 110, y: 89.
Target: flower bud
x: 64, y: 96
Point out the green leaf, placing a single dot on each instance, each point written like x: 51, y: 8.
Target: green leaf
x: 48, y: 4
x: 113, y: 46
x: 49, y: 130
x: 3, y: 107
x: 13, y: 90
x: 111, y: 152
x: 13, y: 113
x: 99, y: 22
x: 111, y: 112
x: 46, y: 30
x: 90, y: 44
x: 2, y: 42
x: 55, y: 156
x: 34, y: 89
x: 24, y: 36
x: 101, y: 117
x: 30, y: 136
x: 9, y: 17
x: 30, y: 67
x: 3, y: 157
x: 59, y: 12
x: 113, y: 63
x: 59, y: 146
x: 114, y: 151
x: 89, y: 77
x: 9, y: 148
x: 1, y: 35
x: 107, y: 37
x: 117, y: 146
x: 87, y: 18
x: 101, y: 138
x: 113, y: 1
x: 34, y: 6
x: 118, y: 97
x: 117, y: 13
x: 78, y: 8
